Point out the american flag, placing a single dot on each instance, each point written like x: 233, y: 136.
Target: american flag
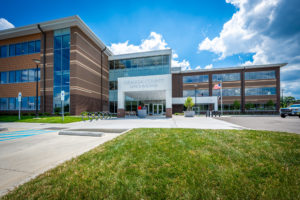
x: 217, y: 86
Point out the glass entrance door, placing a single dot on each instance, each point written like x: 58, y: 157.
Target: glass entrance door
x: 158, y: 109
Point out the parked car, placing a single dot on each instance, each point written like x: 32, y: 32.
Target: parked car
x: 293, y: 110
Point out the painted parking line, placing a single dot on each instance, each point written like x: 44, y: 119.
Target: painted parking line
x: 21, y: 134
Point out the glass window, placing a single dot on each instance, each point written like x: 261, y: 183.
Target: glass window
x: 113, y: 85
x: 66, y: 77
x: 3, y: 104
x: 166, y: 60
x: 3, y: 51
x: 31, y: 75
x: 260, y: 91
x: 24, y: 103
x: 38, y: 46
x: 31, y: 103
x: 12, y: 50
x: 24, y: 47
x: 66, y: 59
x: 199, y: 93
x: 12, y: 103
x: 227, y: 92
x: 31, y: 47
x: 65, y: 41
x: 4, y: 78
x: 25, y: 75
x: 195, y: 79
x: 18, y: 49
x: 12, y: 76
x: 226, y: 77
x: 19, y: 76
x: 111, y: 65
x: 260, y: 75
x: 57, y: 42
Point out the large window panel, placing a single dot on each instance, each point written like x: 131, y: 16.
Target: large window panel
x: 195, y: 79
x: 226, y: 77
x: 260, y: 91
x: 24, y: 48
x: 38, y: 46
x: 25, y: 75
x: 19, y: 76
x: 227, y: 92
x: 65, y: 59
x: 260, y: 75
x: 12, y: 103
x: 31, y: 103
x: 12, y: 50
x: 12, y: 76
x: 4, y: 77
x: 31, y: 75
x: 24, y: 104
x: 3, y: 51
x: 18, y: 49
x: 31, y: 47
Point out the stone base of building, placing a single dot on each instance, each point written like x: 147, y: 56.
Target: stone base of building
x: 169, y: 112
x: 121, y: 113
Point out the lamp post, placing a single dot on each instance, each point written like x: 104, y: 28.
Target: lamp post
x: 37, y: 62
x: 195, y: 86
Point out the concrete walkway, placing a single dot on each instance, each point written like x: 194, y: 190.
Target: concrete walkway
x: 28, y: 149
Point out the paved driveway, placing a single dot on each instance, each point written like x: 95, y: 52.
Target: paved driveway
x: 272, y: 123
x: 28, y: 153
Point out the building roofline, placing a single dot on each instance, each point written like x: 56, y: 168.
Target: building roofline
x: 233, y: 68
x: 53, y: 25
x: 141, y: 54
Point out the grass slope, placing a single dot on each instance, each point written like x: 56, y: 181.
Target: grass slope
x: 177, y: 164
x: 41, y: 119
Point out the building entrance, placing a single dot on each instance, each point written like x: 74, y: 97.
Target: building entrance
x: 158, y: 109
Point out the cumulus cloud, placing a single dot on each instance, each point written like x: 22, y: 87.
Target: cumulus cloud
x: 154, y: 41
x: 270, y: 29
x: 4, y: 24
x: 210, y: 66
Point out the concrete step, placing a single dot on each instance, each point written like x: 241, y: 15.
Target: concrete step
x: 91, y: 132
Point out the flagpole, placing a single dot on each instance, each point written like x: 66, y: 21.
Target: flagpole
x: 221, y: 98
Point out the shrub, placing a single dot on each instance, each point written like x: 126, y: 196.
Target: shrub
x: 85, y: 113
x: 189, y: 103
x: 236, y: 105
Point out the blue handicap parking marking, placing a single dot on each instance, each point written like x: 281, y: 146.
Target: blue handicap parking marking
x: 21, y: 134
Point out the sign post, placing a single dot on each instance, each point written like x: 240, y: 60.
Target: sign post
x: 62, y: 98
x: 19, y: 100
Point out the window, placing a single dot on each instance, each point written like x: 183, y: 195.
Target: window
x: 24, y: 47
x: 113, y: 85
x: 260, y: 75
x: 3, y: 51
x: 260, y: 91
x: 12, y: 76
x: 11, y: 103
x: 31, y: 47
x: 195, y: 79
x: 3, y: 104
x: 25, y: 75
x: 227, y: 92
x: 38, y: 46
x: 199, y: 93
x: 4, y: 78
x: 19, y: 76
x: 12, y: 50
x: 111, y: 65
x: 31, y: 103
x: 31, y: 75
x: 24, y: 103
x: 18, y: 49
x: 226, y: 77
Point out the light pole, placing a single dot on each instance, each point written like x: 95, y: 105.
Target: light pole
x: 195, y: 86
x: 37, y: 62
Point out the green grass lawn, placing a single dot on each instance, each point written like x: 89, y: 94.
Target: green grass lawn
x: 41, y: 119
x: 177, y: 164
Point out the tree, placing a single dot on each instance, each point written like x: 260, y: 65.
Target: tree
x: 270, y: 104
x: 287, y: 101
x: 189, y: 103
x: 236, y: 105
x: 248, y: 106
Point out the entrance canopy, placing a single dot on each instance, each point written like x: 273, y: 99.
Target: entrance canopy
x: 157, y: 87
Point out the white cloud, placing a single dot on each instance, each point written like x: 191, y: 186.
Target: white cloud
x: 210, y: 66
x: 154, y: 41
x: 198, y: 67
x: 4, y: 24
x: 270, y: 29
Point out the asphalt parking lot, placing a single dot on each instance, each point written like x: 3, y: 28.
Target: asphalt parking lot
x: 271, y: 123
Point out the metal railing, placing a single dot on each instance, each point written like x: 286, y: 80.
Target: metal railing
x: 96, y: 116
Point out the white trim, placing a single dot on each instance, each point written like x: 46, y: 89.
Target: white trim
x: 231, y: 68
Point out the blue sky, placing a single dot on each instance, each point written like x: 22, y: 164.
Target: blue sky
x: 202, y: 34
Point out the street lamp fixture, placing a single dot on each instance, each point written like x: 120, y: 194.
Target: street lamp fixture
x: 37, y: 62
